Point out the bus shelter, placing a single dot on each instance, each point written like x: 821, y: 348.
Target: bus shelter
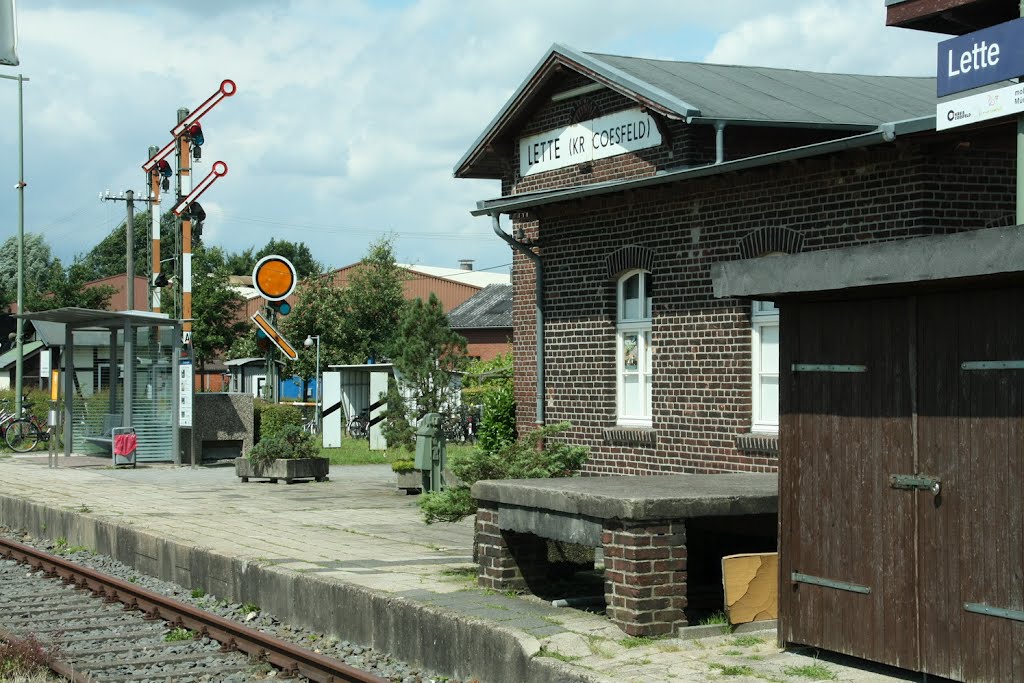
x: 119, y: 368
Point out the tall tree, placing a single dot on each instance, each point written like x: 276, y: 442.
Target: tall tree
x: 215, y: 307
x: 38, y: 264
x: 62, y: 287
x: 374, y: 300
x: 319, y: 310
x: 242, y: 263
x: 108, y: 257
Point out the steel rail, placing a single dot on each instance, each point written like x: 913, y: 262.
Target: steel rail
x: 291, y: 659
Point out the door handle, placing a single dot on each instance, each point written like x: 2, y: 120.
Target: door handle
x: 918, y: 482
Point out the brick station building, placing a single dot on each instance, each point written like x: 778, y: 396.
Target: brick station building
x: 625, y: 179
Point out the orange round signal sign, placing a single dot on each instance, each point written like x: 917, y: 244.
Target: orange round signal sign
x: 274, y: 277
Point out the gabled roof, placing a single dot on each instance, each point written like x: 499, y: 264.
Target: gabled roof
x: 492, y: 307
x: 695, y: 92
x: 27, y: 349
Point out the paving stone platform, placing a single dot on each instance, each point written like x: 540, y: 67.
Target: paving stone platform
x: 351, y: 557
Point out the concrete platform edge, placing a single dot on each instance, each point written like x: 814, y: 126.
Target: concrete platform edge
x: 423, y: 635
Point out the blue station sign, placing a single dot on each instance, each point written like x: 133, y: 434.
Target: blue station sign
x: 981, y: 58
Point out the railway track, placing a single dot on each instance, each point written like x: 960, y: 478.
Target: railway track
x: 117, y: 634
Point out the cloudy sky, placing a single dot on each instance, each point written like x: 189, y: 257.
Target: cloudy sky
x: 350, y: 115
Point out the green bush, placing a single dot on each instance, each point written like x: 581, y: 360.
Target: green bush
x: 489, y: 384
x: 272, y: 417
x: 290, y: 442
x: 534, y: 456
x: 498, y: 422
x: 39, y: 399
x: 403, y: 466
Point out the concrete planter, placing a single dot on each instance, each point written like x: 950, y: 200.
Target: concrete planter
x: 290, y: 471
x: 410, y: 482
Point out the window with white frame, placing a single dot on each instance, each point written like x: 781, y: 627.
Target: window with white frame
x: 633, y: 349
x: 764, y: 324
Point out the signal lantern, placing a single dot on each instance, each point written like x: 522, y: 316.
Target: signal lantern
x: 195, y: 134
x: 160, y: 280
x: 165, y: 171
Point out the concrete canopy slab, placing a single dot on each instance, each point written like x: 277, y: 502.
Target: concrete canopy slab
x: 675, y: 496
x: 965, y: 255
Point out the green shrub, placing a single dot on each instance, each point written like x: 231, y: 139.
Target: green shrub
x: 288, y: 443
x: 489, y: 383
x: 403, y: 466
x: 271, y: 417
x: 534, y: 456
x: 398, y: 430
x: 498, y: 421
x: 39, y: 399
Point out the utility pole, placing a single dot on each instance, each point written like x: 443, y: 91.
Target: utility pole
x: 129, y: 198
x: 129, y: 229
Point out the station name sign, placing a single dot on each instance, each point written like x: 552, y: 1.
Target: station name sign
x: 600, y: 138
x: 980, y: 58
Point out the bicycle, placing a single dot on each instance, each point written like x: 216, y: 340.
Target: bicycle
x: 359, y: 425
x: 25, y: 433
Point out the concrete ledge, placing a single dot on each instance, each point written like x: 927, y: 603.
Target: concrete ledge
x: 430, y: 637
x: 676, y: 496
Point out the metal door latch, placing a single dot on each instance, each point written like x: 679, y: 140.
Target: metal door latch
x: 920, y: 482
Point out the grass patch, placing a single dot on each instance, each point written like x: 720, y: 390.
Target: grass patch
x: 716, y: 619
x: 733, y: 669
x: 357, y: 452
x: 637, y: 641
x: 177, y: 634
x: 460, y: 573
x: 812, y: 672
x: 250, y: 607
x: 747, y: 641
x: 544, y: 652
x: 198, y: 593
x: 733, y: 653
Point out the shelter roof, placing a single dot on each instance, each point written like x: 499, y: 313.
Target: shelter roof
x: 88, y: 317
x: 697, y: 92
x: 492, y: 307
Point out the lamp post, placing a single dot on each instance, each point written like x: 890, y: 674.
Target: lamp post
x: 307, y: 343
x: 19, y: 358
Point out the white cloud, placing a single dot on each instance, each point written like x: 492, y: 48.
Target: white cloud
x: 350, y: 115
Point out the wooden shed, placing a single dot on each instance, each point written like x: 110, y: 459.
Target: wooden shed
x: 901, y: 515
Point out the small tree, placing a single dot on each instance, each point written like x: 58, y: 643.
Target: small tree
x: 374, y: 300
x: 319, y: 310
x: 427, y: 355
x: 215, y: 306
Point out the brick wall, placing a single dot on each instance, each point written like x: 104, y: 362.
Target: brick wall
x: 701, y: 345
x: 487, y: 343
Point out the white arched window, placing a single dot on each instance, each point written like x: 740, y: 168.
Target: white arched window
x: 633, y: 349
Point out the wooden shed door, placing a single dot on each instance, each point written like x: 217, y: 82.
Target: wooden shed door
x: 903, y: 576
x: 847, y: 543
x: 971, y: 538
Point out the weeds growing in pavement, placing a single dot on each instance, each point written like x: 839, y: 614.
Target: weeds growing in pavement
x: 178, y: 634
x: 814, y: 672
x: 23, y: 657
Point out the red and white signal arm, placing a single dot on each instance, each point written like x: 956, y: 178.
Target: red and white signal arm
x: 274, y: 277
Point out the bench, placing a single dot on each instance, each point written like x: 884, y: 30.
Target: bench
x: 106, y: 437
x: 641, y: 524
